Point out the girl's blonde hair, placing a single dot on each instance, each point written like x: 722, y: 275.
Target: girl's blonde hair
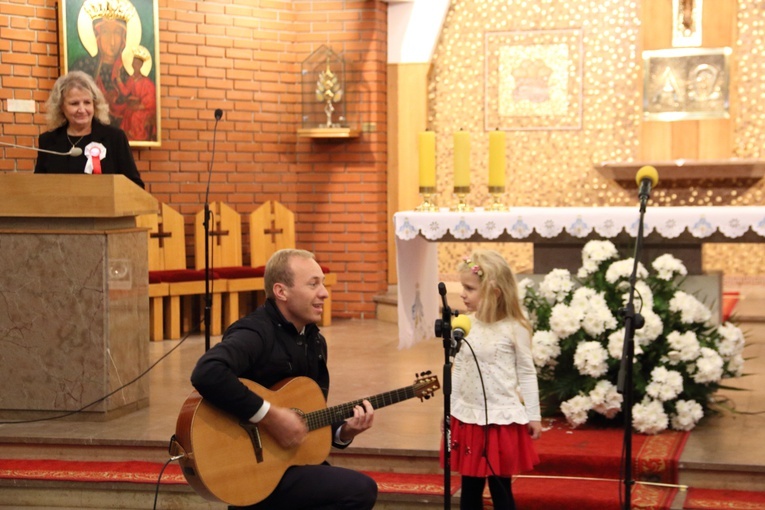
x: 74, y: 80
x: 498, y: 290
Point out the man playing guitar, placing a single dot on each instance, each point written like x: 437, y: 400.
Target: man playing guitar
x: 279, y: 341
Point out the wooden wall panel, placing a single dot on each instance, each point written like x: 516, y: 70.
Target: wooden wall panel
x: 690, y: 139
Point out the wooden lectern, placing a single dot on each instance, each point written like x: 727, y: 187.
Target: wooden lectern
x: 74, y: 305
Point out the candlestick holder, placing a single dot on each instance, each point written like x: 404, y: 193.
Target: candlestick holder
x: 462, y: 193
x: 497, y: 193
x: 428, y: 194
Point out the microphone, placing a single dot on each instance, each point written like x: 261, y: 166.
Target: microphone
x: 460, y: 327
x: 646, y: 178
x: 74, y: 151
x: 218, y: 116
x: 206, y: 226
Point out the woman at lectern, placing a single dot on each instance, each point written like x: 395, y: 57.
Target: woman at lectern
x: 80, y: 134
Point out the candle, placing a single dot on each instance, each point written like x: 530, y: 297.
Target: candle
x: 497, y: 160
x: 427, y: 159
x: 461, y: 159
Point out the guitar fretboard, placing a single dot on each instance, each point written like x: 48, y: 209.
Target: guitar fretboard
x: 325, y: 417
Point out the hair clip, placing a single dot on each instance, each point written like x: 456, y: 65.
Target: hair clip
x: 474, y: 268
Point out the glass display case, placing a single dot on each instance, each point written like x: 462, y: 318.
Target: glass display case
x: 324, y: 96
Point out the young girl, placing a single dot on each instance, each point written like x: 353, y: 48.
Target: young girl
x: 491, y: 434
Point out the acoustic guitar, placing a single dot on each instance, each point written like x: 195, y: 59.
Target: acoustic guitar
x: 234, y: 462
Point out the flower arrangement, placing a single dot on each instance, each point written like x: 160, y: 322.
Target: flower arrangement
x: 680, y: 355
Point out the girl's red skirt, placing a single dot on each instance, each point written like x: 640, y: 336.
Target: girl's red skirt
x: 509, y: 449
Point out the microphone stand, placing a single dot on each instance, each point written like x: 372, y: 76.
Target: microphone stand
x: 632, y: 321
x: 206, y: 225
x: 444, y: 329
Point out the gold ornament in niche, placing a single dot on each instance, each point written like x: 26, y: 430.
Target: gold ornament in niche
x: 328, y: 91
x: 325, y: 97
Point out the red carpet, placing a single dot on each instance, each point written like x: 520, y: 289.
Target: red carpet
x: 410, y: 483
x: 579, y: 454
x: 576, y: 494
x: 596, y: 452
x: 86, y: 471
x: 710, y: 499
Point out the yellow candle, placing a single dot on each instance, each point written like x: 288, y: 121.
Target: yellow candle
x: 497, y: 160
x: 427, y: 159
x: 461, y: 159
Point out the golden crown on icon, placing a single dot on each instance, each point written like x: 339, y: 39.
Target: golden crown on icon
x: 121, y: 10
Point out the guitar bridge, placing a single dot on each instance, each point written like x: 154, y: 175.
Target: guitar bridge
x: 254, y: 433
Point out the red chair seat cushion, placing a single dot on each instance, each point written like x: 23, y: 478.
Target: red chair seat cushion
x: 180, y: 275
x: 235, y: 272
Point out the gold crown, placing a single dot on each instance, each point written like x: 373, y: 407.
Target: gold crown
x: 120, y: 10
x: 142, y: 53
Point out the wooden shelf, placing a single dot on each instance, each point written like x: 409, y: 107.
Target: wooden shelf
x: 328, y: 133
x: 685, y: 169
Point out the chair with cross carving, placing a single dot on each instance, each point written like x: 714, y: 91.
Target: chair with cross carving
x: 172, y: 312
x: 225, y: 257
x: 272, y: 228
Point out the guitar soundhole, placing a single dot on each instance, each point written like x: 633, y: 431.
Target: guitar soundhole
x: 189, y: 471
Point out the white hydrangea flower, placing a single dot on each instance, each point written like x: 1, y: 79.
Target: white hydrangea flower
x: 732, y: 341
x: 556, y: 285
x: 597, y: 316
x: 575, y: 409
x: 736, y: 366
x: 709, y: 366
x: 622, y: 269
x: 668, y: 267
x: 545, y: 348
x: 687, y: 415
x: 683, y: 347
x: 691, y: 309
x: 605, y: 399
x: 523, y: 288
x: 565, y: 320
x: 593, y: 253
x: 582, y: 296
x: 643, y: 298
x: 590, y: 359
x: 598, y: 251
x: 616, y: 343
x: 597, y: 320
x: 665, y: 384
x: 648, y: 417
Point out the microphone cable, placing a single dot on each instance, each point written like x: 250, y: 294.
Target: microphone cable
x: 133, y: 381
x: 485, y: 454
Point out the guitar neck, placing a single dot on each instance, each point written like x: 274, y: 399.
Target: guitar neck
x: 326, y: 417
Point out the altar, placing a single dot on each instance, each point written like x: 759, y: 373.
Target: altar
x: 558, y: 235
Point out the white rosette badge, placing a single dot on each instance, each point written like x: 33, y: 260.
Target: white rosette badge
x: 95, y: 152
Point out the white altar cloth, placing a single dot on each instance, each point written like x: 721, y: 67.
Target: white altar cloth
x: 417, y: 235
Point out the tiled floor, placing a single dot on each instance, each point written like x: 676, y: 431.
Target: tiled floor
x: 364, y: 360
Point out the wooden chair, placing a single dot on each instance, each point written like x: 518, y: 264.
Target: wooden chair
x: 167, y: 267
x: 272, y: 228
x: 158, y: 290
x: 225, y: 257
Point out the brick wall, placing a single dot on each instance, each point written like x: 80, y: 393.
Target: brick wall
x: 245, y: 58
